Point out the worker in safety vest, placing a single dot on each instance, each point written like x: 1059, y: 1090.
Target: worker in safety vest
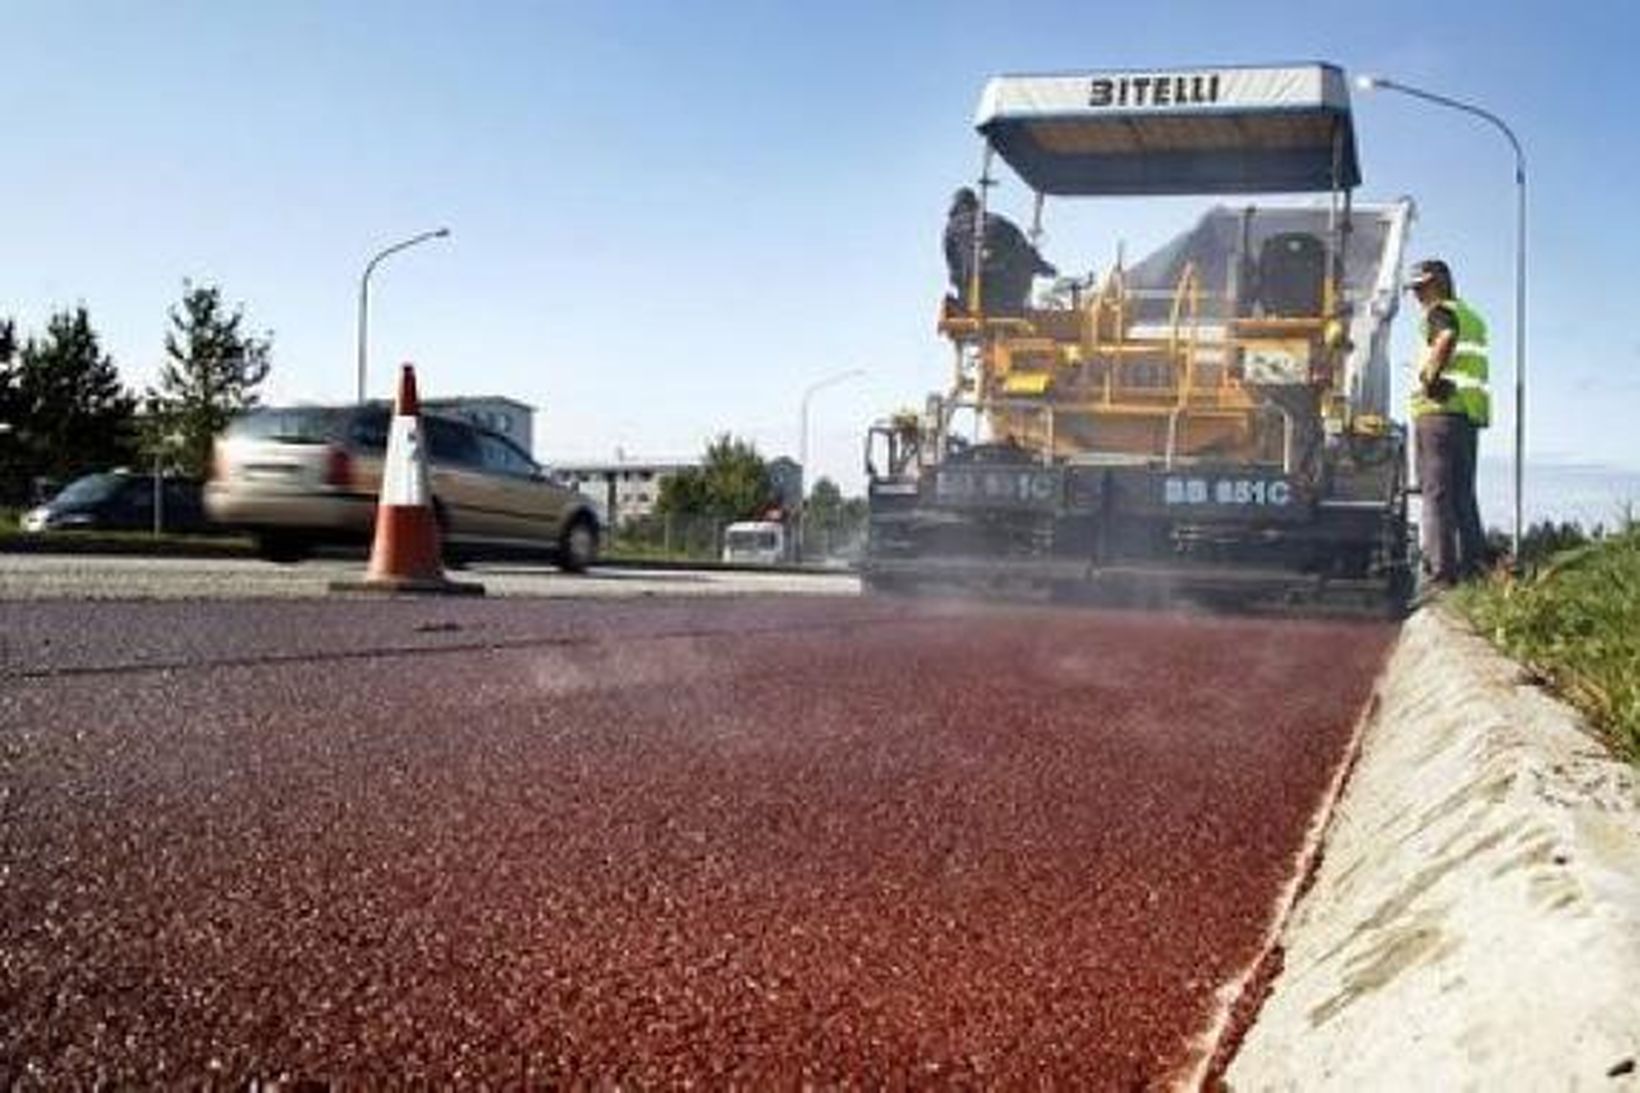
x: 1449, y: 408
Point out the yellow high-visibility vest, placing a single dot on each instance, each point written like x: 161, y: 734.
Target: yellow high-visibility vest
x: 1466, y: 371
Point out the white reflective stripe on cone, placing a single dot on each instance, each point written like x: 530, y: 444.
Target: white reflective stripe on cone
x: 404, y: 479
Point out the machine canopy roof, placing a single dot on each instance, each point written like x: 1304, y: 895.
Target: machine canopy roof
x: 1186, y: 131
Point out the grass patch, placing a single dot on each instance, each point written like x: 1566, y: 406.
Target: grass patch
x: 14, y: 541
x: 629, y: 550
x: 1576, y: 622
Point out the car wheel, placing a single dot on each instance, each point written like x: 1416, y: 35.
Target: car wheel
x: 283, y: 548
x: 578, y: 545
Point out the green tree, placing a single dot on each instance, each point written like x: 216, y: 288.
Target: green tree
x: 825, y: 501
x: 212, y: 373
x: 732, y: 483
x: 833, y: 523
x: 67, y: 410
x: 822, y: 514
x: 682, y: 494
x: 1542, y: 541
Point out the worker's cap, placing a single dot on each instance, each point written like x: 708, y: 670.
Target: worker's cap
x: 1430, y: 269
x: 965, y: 198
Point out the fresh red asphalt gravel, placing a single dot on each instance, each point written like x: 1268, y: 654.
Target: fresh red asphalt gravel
x: 760, y: 842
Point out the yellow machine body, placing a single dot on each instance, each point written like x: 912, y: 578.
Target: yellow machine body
x: 1068, y: 381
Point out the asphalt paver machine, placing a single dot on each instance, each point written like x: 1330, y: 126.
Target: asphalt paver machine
x: 1211, y: 422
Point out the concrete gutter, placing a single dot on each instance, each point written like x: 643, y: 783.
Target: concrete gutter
x: 1474, y: 922
x: 198, y: 546
x: 129, y: 544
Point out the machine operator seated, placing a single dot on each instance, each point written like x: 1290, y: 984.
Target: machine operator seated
x: 1008, y: 261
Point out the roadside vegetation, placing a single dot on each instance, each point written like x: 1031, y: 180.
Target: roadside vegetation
x: 65, y: 410
x: 14, y: 540
x: 1573, y: 617
x: 734, y: 482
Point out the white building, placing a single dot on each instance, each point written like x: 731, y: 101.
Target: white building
x: 628, y: 488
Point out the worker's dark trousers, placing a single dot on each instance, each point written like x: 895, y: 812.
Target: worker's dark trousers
x: 1454, y: 542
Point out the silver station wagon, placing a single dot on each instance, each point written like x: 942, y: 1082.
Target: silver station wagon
x: 300, y: 477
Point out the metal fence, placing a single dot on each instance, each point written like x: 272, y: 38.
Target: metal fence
x: 670, y: 537
x: 677, y: 538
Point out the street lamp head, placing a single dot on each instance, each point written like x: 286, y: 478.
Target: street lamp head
x: 1368, y: 82
x: 364, y: 293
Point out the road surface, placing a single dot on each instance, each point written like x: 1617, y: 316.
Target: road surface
x: 748, y: 840
x: 66, y: 576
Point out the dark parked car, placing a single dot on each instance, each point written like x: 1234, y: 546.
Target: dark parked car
x: 121, y: 501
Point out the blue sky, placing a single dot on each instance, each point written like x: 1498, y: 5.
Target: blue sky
x: 670, y: 218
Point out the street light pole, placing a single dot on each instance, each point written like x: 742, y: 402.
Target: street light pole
x: 803, y: 445
x: 364, y: 295
x: 1373, y: 83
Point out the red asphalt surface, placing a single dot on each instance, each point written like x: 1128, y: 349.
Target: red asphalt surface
x: 754, y: 842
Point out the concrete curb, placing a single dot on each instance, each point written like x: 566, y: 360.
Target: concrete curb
x: 229, y: 547
x: 127, y: 547
x: 1475, y: 919
x: 685, y: 565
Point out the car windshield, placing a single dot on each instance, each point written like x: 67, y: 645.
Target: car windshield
x: 289, y: 425
x: 90, y: 490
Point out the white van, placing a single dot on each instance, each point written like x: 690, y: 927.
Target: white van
x: 755, y: 542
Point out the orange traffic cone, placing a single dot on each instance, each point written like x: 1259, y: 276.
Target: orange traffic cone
x: 406, y: 555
